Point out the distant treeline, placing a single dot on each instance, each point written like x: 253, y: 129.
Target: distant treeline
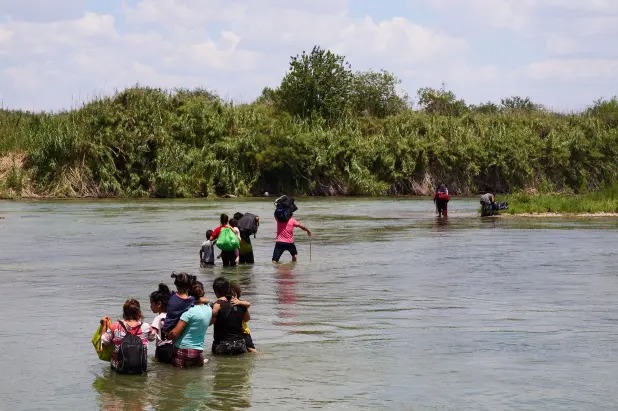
x: 324, y: 131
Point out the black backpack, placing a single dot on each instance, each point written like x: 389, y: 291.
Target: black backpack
x: 131, y: 353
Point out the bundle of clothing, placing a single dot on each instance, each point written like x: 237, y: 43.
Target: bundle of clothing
x: 284, y: 208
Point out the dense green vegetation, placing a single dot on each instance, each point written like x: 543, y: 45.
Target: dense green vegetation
x: 325, y: 131
x: 601, y: 201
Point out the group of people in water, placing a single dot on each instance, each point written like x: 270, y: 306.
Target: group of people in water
x: 180, y: 325
x: 489, y: 206
x: 183, y: 316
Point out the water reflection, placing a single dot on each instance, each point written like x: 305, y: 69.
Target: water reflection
x: 231, y: 385
x: 223, y: 383
x: 286, y: 289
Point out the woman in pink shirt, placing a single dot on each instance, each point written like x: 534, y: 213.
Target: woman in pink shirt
x: 285, y: 238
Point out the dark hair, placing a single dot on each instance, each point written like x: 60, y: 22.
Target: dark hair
x: 238, y: 215
x: 234, y: 222
x: 131, y: 310
x: 197, y: 290
x: 221, y: 287
x: 183, y: 281
x: 235, y: 289
x: 208, y: 234
x: 224, y: 219
x: 162, y: 295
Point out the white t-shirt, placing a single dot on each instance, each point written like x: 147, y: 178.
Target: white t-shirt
x: 157, y: 324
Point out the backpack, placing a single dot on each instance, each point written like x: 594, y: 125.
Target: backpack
x: 131, y: 353
x: 227, y: 240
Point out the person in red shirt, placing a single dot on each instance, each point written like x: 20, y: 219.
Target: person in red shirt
x: 285, y: 238
x: 224, y: 223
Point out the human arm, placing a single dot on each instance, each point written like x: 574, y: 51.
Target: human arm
x: 106, y: 331
x: 304, y: 228
x: 215, y: 311
x: 242, y: 303
x: 177, y: 331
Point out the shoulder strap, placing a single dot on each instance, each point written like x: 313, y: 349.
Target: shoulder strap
x: 132, y: 328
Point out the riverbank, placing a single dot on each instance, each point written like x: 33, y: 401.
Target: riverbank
x: 603, y: 202
x: 154, y: 143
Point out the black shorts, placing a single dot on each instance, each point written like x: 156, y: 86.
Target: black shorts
x: 228, y: 258
x: 281, y: 247
x: 249, y: 341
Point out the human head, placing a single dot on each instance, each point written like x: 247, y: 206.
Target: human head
x: 235, y: 289
x: 233, y: 222
x: 159, y: 299
x: 224, y: 219
x: 238, y: 215
x: 208, y: 234
x: 131, y: 310
x: 221, y: 287
x: 183, y: 281
x: 197, y: 290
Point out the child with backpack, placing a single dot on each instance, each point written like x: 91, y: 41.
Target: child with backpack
x: 130, y: 338
x: 246, y: 332
x: 158, y: 304
x: 207, y: 251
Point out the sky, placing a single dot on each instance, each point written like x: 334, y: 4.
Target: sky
x: 56, y: 55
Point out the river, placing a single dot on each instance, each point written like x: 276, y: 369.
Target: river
x: 387, y: 307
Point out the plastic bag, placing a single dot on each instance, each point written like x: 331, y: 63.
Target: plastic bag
x: 227, y: 240
x: 103, y: 351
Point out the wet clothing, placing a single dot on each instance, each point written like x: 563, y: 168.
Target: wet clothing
x: 285, y: 231
x: 281, y: 247
x: 228, y: 336
x: 187, y: 357
x: 116, y: 333
x: 228, y: 258
x: 164, y: 347
x: 175, y: 307
x: 197, y: 319
x: 208, y: 253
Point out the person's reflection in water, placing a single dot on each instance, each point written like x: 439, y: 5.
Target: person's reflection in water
x: 231, y: 386
x: 121, y: 393
x: 286, y: 289
x: 441, y: 224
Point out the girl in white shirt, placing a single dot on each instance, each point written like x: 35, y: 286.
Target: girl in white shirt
x: 158, y: 304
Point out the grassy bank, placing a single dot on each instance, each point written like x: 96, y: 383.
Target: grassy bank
x: 598, y: 202
x: 190, y: 143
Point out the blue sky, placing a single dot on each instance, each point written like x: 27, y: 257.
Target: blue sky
x: 57, y: 55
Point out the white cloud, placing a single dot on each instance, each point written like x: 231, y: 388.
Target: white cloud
x: 54, y: 59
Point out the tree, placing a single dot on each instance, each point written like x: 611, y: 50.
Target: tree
x: 375, y: 94
x: 517, y: 103
x: 319, y: 82
x: 441, y: 102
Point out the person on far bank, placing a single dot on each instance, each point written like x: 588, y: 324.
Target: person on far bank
x: 488, y: 201
x: 285, y: 238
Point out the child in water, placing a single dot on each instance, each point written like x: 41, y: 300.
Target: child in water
x: 236, y: 293
x: 207, y: 252
x: 158, y: 304
x: 180, y: 301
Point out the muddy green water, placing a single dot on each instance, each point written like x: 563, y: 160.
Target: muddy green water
x: 395, y: 310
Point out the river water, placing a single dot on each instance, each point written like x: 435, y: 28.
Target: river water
x: 387, y: 307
